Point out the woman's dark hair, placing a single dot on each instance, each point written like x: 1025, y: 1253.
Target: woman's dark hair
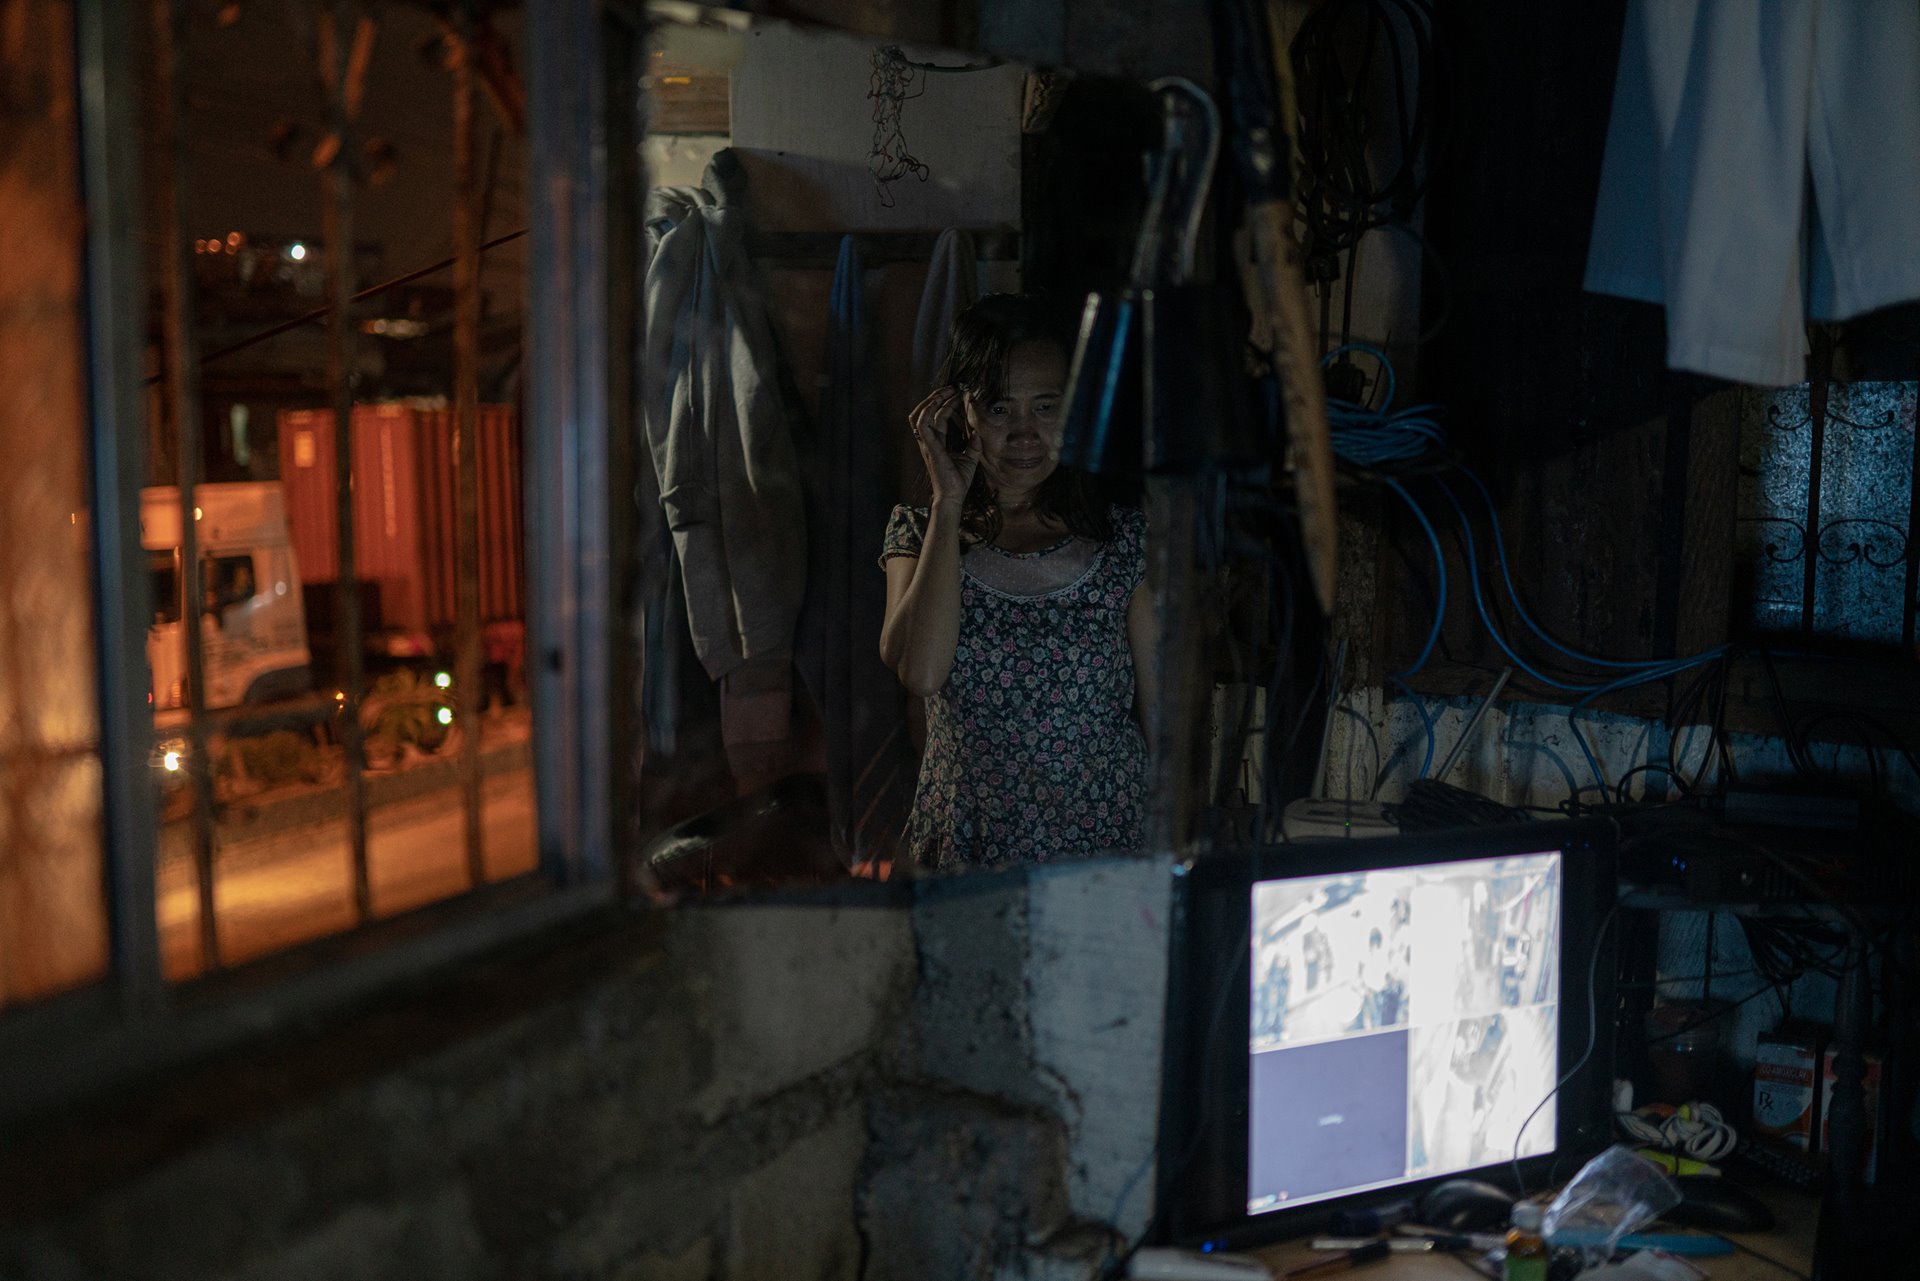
x: 984, y: 336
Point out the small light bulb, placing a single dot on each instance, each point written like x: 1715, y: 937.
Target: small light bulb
x: 444, y: 716
x: 442, y: 679
x: 296, y: 251
x: 172, y: 761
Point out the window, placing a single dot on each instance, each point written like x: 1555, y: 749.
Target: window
x: 228, y: 580
x: 1825, y: 543
x: 384, y: 677
x: 164, y: 569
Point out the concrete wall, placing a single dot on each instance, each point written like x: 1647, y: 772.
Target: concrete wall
x: 962, y: 1088
x: 693, y: 1107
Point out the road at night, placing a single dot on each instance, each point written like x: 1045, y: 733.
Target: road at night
x: 273, y: 891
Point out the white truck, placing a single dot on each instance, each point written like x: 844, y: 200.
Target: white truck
x: 252, y: 621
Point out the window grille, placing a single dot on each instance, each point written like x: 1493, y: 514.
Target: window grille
x: 1825, y: 533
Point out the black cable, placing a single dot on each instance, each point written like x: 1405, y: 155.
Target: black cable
x: 1827, y: 713
x: 1797, y: 755
x: 1620, y: 784
x: 1706, y: 1018
x: 1593, y: 1039
x: 1339, y: 52
x: 1729, y: 772
x: 1338, y: 194
x: 1282, y: 612
x: 1687, y: 978
x: 320, y: 313
x: 1432, y: 805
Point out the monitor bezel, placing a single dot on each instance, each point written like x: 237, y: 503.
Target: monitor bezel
x: 1202, y: 1174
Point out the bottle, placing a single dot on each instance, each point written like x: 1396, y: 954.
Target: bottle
x: 1526, y: 1248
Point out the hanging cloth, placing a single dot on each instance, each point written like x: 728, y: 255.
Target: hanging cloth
x: 723, y: 454
x: 951, y: 288
x: 1727, y: 116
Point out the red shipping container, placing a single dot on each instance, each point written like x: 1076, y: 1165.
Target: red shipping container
x: 405, y: 533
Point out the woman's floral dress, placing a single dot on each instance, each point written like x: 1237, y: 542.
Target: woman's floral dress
x: 1032, y: 752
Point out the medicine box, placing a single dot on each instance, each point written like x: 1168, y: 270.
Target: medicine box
x: 1786, y: 1069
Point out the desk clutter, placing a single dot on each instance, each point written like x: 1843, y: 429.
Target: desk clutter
x: 1621, y: 1218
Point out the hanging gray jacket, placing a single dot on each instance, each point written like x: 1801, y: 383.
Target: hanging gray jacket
x: 723, y: 449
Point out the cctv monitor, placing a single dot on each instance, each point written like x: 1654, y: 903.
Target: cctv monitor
x: 1352, y: 1021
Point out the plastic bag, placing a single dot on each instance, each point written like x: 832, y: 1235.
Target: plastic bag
x: 1613, y: 1194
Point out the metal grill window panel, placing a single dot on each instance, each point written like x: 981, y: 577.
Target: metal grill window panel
x: 1825, y: 542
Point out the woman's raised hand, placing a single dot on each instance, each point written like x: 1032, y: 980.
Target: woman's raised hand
x: 950, y: 473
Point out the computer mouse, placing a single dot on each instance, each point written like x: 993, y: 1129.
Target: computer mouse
x: 1712, y: 1203
x: 1466, y: 1205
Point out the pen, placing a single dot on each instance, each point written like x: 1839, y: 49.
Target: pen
x: 1399, y: 1245
x: 1340, y: 1262
x: 1453, y: 1240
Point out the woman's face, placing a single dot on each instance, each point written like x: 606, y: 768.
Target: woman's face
x: 1019, y: 433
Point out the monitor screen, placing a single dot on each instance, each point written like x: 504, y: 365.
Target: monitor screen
x: 1351, y: 1022
x: 1403, y: 1023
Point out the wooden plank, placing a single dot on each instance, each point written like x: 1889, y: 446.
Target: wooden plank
x: 682, y: 98
x: 821, y: 249
x: 1706, y: 552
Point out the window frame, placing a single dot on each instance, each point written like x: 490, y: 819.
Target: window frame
x: 133, y: 1022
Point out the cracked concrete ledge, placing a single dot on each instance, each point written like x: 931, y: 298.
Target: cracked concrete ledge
x: 1046, y: 988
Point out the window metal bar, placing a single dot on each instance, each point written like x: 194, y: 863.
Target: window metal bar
x: 628, y: 529
x: 183, y: 398
x: 466, y: 422
x: 1909, y: 642
x: 122, y: 586
x: 570, y: 626
x: 335, y: 46
x: 1819, y: 387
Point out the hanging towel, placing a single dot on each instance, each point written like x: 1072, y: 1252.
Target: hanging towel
x: 950, y: 290
x: 723, y: 454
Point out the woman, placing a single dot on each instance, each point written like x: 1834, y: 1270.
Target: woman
x: 1016, y: 608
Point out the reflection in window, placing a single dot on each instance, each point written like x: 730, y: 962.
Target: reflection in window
x: 313, y: 802
x: 166, y: 587
x: 53, y: 933
x: 228, y: 580
x: 1824, y: 542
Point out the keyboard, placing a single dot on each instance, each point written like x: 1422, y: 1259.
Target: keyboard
x: 1806, y: 1171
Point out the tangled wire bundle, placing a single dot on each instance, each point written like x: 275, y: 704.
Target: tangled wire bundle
x: 894, y: 81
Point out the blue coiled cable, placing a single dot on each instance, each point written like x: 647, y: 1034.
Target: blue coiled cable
x: 1371, y: 437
